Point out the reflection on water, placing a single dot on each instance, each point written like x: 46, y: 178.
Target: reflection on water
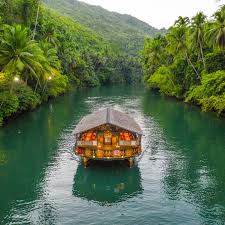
x: 180, y: 179
x: 194, y: 169
x: 107, y: 182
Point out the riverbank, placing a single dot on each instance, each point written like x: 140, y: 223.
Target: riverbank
x: 43, y: 53
x: 183, y: 101
x: 188, y: 62
x: 209, y: 95
x: 29, y: 106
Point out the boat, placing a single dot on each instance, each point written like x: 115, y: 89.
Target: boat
x: 108, y: 135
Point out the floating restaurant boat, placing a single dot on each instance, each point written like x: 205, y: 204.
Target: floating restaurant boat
x: 108, y: 135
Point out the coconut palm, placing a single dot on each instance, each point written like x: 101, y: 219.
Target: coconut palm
x: 49, y: 34
x: 20, y: 55
x: 52, y: 66
x: 181, y: 21
x: 177, y: 44
x: 50, y: 54
x: 216, y: 34
x: 155, y: 52
x: 36, y: 20
x: 197, y: 34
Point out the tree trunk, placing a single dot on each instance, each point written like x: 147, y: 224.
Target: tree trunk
x: 44, y: 87
x: 191, y: 64
x: 171, y: 81
x: 11, y: 88
x: 35, y: 89
x: 36, y: 20
x: 202, y: 55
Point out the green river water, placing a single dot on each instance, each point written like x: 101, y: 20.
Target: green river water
x: 179, y: 180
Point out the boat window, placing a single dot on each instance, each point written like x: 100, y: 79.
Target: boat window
x: 108, y: 140
x: 125, y: 136
x: 90, y: 136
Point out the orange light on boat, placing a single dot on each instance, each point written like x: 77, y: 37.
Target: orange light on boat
x: 79, y: 150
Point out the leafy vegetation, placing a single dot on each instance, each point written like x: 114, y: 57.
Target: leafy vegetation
x: 125, y: 32
x: 43, y: 54
x: 189, y: 61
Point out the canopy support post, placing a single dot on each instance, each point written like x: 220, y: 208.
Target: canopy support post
x: 130, y: 162
x: 86, y: 162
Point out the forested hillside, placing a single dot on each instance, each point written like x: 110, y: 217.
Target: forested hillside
x: 189, y: 61
x: 43, y: 54
x: 125, y: 32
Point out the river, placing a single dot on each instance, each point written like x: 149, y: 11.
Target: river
x: 179, y: 180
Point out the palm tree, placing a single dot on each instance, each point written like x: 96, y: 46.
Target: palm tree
x: 154, y: 53
x: 216, y: 34
x: 49, y: 34
x: 20, y: 55
x: 50, y: 54
x: 197, y: 34
x: 36, y: 20
x: 177, y: 44
x: 52, y: 66
x: 181, y: 21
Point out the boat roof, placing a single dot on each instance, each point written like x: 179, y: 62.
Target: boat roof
x: 107, y: 116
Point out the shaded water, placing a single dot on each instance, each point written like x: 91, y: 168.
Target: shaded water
x: 180, y: 179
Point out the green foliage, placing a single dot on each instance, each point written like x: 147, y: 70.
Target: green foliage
x: 27, y: 98
x: 20, y: 55
x: 16, y: 97
x: 57, y: 86
x: 190, y: 63
x: 153, y: 55
x: 215, y: 61
x: 18, y: 11
x: 85, y: 58
x: 163, y: 80
x: 50, y: 54
x: 216, y: 33
x: 33, y: 68
x: 210, y: 94
x: 125, y: 32
x: 9, y: 104
x: 214, y: 103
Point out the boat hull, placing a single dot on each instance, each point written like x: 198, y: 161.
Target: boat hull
x: 126, y: 154
x: 130, y: 161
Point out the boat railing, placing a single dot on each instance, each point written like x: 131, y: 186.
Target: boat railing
x: 95, y: 143
x: 128, y: 143
x: 86, y: 143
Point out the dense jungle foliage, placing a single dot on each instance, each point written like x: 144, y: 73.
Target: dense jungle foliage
x: 123, y: 31
x: 43, y: 54
x: 189, y: 61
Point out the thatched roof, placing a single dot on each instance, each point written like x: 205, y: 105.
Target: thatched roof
x: 107, y: 116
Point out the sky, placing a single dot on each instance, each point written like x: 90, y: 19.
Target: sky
x: 159, y: 13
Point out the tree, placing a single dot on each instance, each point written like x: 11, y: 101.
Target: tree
x: 49, y: 34
x: 154, y: 54
x: 197, y: 34
x: 50, y: 54
x: 177, y: 44
x: 20, y: 55
x: 216, y: 34
x: 181, y: 21
x: 36, y: 19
